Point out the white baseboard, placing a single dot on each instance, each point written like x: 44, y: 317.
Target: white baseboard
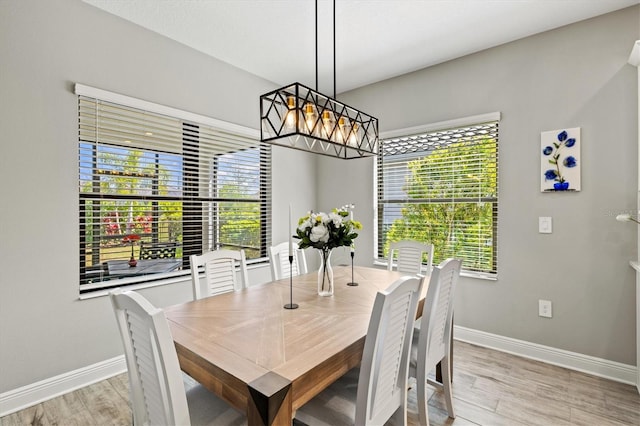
x: 35, y: 393
x: 612, y: 370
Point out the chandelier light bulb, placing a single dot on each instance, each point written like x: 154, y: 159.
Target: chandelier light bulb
x: 341, y: 134
x: 327, y: 124
x: 353, y: 135
x: 310, y: 117
x: 290, y: 115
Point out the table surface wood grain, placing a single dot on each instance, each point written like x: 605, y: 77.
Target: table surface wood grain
x: 266, y: 360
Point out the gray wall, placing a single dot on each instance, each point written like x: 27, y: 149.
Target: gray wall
x: 576, y: 76
x: 45, y: 47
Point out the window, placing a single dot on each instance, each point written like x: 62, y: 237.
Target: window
x: 158, y: 184
x: 439, y: 184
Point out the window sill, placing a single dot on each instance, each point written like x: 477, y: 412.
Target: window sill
x: 479, y: 275
x: 467, y: 274
x: 185, y: 275
x: 147, y: 284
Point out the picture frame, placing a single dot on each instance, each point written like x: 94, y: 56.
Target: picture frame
x: 560, y: 160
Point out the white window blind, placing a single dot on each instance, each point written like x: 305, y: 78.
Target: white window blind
x: 441, y: 187
x: 162, y: 186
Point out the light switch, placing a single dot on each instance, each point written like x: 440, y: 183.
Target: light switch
x: 544, y: 225
x: 544, y: 308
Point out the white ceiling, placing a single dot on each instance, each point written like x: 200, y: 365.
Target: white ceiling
x: 375, y: 39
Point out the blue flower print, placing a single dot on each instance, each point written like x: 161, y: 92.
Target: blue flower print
x: 555, y: 174
x: 570, y: 161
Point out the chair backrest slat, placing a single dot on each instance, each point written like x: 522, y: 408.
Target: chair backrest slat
x: 411, y: 257
x: 219, y: 272
x: 279, y: 261
x: 382, y: 385
x: 435, y: 327
x: 157, y: 391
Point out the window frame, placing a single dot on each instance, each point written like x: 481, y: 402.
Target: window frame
x: 263, y: 195
x: 424, y: 129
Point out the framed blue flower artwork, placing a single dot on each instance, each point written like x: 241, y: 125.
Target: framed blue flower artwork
x: 560, y: 160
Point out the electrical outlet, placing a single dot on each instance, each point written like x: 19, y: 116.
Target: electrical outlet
x: 544, y: 308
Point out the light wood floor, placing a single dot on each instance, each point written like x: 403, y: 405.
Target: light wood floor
x: 490, y: 388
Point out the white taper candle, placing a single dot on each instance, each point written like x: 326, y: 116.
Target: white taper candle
x: 290, y: 231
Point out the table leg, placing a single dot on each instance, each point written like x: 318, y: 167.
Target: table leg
x: 270, y: 402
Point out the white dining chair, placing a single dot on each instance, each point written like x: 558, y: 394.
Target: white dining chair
x: 279, y: 261
x: 156, y: 387
x: 410, y: 257
x: 432, y: 341
x: 381, y: 392
x: 219, y: 272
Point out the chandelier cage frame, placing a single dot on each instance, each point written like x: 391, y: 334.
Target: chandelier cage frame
x: 298, y: 117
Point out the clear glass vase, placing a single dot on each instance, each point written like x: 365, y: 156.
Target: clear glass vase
x: 325, y: 274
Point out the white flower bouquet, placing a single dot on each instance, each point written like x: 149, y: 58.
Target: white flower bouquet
x: 327, y: 231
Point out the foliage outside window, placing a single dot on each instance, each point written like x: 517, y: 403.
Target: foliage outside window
x: 179, y: 186
x: 441, y: 187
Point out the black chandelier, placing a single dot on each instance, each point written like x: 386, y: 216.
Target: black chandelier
x: 296, y: 116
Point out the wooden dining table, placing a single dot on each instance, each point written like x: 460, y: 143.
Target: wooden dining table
x: 266, y: 360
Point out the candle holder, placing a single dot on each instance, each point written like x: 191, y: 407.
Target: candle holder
x: 291, y: 305
x: 352, y: 283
